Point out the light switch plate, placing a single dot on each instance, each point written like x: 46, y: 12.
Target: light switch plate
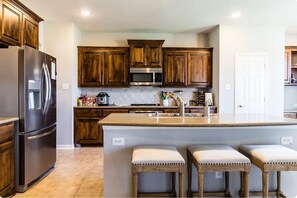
x: 227, y: 87
x: 65, y: 86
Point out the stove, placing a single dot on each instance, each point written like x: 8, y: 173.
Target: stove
x: 145, y: 104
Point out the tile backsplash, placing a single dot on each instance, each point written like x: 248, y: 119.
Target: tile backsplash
x: 138, y: 94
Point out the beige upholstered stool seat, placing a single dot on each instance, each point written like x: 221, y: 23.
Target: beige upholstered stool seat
x: 271, y: 154
x: 157, y: 159
x: 217, y: 154
x: 212, y: 158
x: 146, y: 155
x: 271, y: 158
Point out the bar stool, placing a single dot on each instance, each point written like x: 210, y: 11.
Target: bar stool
x: 270, y: 158
x: 157, y: 159
x: 213, y: 158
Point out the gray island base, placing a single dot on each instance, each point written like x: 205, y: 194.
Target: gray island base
x: 221, y: 129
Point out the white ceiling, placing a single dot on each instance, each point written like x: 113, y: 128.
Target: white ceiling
x: 166, y: 16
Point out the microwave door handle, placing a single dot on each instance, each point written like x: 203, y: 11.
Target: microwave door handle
x: 49, y: 87
x: 46, y: 89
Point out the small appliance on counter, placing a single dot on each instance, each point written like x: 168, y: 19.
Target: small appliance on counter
x: 102, y: 99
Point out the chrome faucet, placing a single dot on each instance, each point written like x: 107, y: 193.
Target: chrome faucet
x: 180, y: 103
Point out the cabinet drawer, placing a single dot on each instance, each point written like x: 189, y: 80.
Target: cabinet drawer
x: 88, y: 112
x: 6, y: 132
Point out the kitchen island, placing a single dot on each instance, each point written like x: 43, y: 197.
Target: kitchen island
x: 123, y: 131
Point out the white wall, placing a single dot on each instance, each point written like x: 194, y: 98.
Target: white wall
x: 214, y: 41
x: 291, y: 40
x: 252, y: 39
x: 60, y: 40
x: 120, y: 39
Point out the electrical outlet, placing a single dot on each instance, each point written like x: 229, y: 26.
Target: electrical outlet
x: 118, y: 141
x: 218, y: 175
x: 286, y: 140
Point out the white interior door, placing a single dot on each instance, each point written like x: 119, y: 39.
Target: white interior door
x: 250, y: 83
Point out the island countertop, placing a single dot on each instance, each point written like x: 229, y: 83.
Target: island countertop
x: 215, y: 120
x: 4, y: 120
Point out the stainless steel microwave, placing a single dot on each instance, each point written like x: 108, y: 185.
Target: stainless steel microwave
x: 145, y: 76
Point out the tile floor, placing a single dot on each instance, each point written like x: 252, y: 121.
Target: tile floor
x: 78, y: 173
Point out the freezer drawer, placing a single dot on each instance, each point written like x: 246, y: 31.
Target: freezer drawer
x: 37, y: 155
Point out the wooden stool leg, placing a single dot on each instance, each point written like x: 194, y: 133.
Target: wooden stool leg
x: 200, y: 184
x: 278, y: 190
x: 189, y: 167
x: 227, y: 189
x: 181, y: 184
x: 241, y: 184
x: 134, y: 184
x: 246, y: 184
x: 173, y: 175
x: 265, y: 184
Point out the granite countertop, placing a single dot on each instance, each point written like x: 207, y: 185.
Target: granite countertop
x: 4, y: 120
x: 136, y: 107
x: 216, y: 120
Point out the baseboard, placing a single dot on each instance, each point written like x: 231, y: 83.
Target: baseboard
x: 65, y: 146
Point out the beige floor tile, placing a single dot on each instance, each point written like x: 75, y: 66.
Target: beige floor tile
x: 89, y: 191
x: 78, y: 173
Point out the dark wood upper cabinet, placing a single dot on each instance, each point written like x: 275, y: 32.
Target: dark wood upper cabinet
x: 191, y: 67
x: 146, y: 53
x: 103, y: 66
x: 116, y: 68
x: 90, y: 68
x: 175, y: 68
x: 11, y: 24
x: 199, y: 69
x: 19, y: 25
x: 30, y: 32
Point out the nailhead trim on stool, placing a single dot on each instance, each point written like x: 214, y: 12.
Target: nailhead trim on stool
x: 213, y: 158
x: 271, y: 158
x: 157, y: 159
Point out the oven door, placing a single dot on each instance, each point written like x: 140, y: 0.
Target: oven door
x: 141, y: 78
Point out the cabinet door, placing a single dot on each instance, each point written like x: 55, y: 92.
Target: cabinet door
x: 10, y: 24
x: 153, y: 52
x: 175, y: 68
x: 116, y: 68
x: 90, y: 68
x: 6, y: 161
x: 137, y: 54
x: 88, y: 131
x: 199, y: 69
x: 30, y: 32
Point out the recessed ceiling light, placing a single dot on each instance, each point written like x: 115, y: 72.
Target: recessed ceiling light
x: 85, y: 12
x: 235, y: 15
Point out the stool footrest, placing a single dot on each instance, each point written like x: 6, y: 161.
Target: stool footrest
x: 270, y: 193
x: 156, y: 194
x: 212, y: 194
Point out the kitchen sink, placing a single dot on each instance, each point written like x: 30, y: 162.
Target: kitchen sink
x: 173, y: 115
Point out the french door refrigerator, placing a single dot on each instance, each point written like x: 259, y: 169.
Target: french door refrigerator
x: 28, y: 91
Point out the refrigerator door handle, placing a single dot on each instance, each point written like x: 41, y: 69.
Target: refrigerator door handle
x: 49, y: 86
x: 41, y: 135
x: 47, y: 89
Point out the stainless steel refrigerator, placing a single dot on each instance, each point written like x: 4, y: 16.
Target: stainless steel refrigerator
x: 28, y: 91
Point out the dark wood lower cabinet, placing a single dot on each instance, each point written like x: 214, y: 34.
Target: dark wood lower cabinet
x: 6, y: 160
x: 86, y: 128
